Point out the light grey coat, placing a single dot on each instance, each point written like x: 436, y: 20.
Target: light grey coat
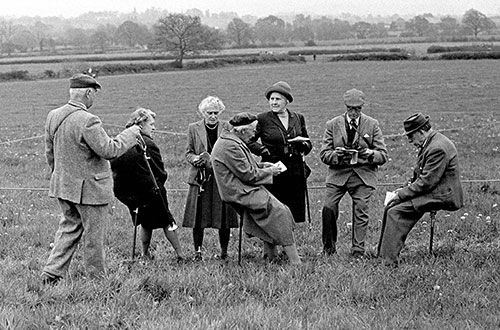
x: 241, y: 182
x: 77, y: 150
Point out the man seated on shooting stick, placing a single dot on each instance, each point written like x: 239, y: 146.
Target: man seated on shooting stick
x: 241, y: 182
x: 435, y: 186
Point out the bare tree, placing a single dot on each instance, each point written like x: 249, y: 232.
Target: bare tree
x: 477, y: 22
x: 183, y: 34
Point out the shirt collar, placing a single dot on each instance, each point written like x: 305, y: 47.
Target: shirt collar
x: 77, y: 104
x: 349, y: 119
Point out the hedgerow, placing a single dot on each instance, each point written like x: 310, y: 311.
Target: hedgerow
x: 305, y: 52
x: 371, y: 57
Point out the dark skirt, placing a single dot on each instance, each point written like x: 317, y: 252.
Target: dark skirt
x: 205, y: 209
x: 154, y: 214
x: 290, y: 190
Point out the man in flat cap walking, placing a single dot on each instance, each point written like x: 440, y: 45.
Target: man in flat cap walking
x: 77, y: 150
x: 353, y: 148
x: 435, y: 186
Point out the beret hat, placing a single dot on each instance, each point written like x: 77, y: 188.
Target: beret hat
x: 280, y: 87
x: 81, y: 80
x: 242, y: 119
x: 415, y: 122
x: 354, y: 98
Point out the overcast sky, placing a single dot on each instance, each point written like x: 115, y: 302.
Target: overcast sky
x: 260, y: 8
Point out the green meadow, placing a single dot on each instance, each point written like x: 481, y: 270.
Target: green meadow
x: 455, y: 288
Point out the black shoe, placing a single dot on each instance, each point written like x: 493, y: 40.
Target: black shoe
x: 329, y: 251
x: 358, y: 254
x: 50, y: 279
x: 198, y: 256
x: 223, y: 256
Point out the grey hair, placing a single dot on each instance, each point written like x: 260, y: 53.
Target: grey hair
x: 139, y: 116
x: 211, y: 102
x: 77, y: 93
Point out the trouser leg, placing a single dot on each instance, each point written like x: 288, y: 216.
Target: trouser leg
x: 66, y: 240
x: 329, y: 216
x: 270, y: 251
x: 292, y: 254
x: 360, y: 194
x: 399, y: 221
x: 94, y: 218
x: 224, y: 235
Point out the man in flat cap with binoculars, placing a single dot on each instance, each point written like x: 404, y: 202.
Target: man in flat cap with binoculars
x: 77, y: 150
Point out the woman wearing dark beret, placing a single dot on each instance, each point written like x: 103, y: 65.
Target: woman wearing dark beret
x: 283, y: 137
x: 134, y: 185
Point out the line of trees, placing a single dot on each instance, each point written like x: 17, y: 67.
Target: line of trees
x: 184, y: 34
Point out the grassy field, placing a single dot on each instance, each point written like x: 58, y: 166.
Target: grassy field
x: 457, y: 288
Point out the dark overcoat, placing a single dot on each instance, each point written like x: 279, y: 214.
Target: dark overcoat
x: 134, y: 185
x: 436, y: 178
x: 289, y: 187
x: 204, y: 207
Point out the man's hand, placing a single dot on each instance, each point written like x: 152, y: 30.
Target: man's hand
x: 394, y: 201
x: 265, y: 153
x: 266, y: 164
x: 340, y: 151
x: 198, y: 161
x: 365, y: 153
x: 275, y: 169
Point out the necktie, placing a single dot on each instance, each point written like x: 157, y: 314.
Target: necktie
x: 353, y: 124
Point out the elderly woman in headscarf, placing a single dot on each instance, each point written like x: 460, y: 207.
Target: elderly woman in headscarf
x: 283, y: 138
x: 204, y: 207
x: 139, y: 177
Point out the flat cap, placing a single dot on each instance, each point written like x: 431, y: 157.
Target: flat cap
x: 354, y: 98
x: 242, y: 119
x: 81, y: 80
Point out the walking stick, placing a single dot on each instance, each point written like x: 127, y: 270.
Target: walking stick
x: 136, y: 212
x: 307, y: 193
x: 156, y: 187
x: 240, y: 239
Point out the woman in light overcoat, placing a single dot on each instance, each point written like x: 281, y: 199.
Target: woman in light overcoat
x: 204, y: 207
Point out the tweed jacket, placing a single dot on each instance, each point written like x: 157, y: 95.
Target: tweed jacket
x: 368, y: 135
x: 77, y: 150
x: 197, y: 143
x: 274, y: 138
x: 436, y: 178
x: 238, y: 175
